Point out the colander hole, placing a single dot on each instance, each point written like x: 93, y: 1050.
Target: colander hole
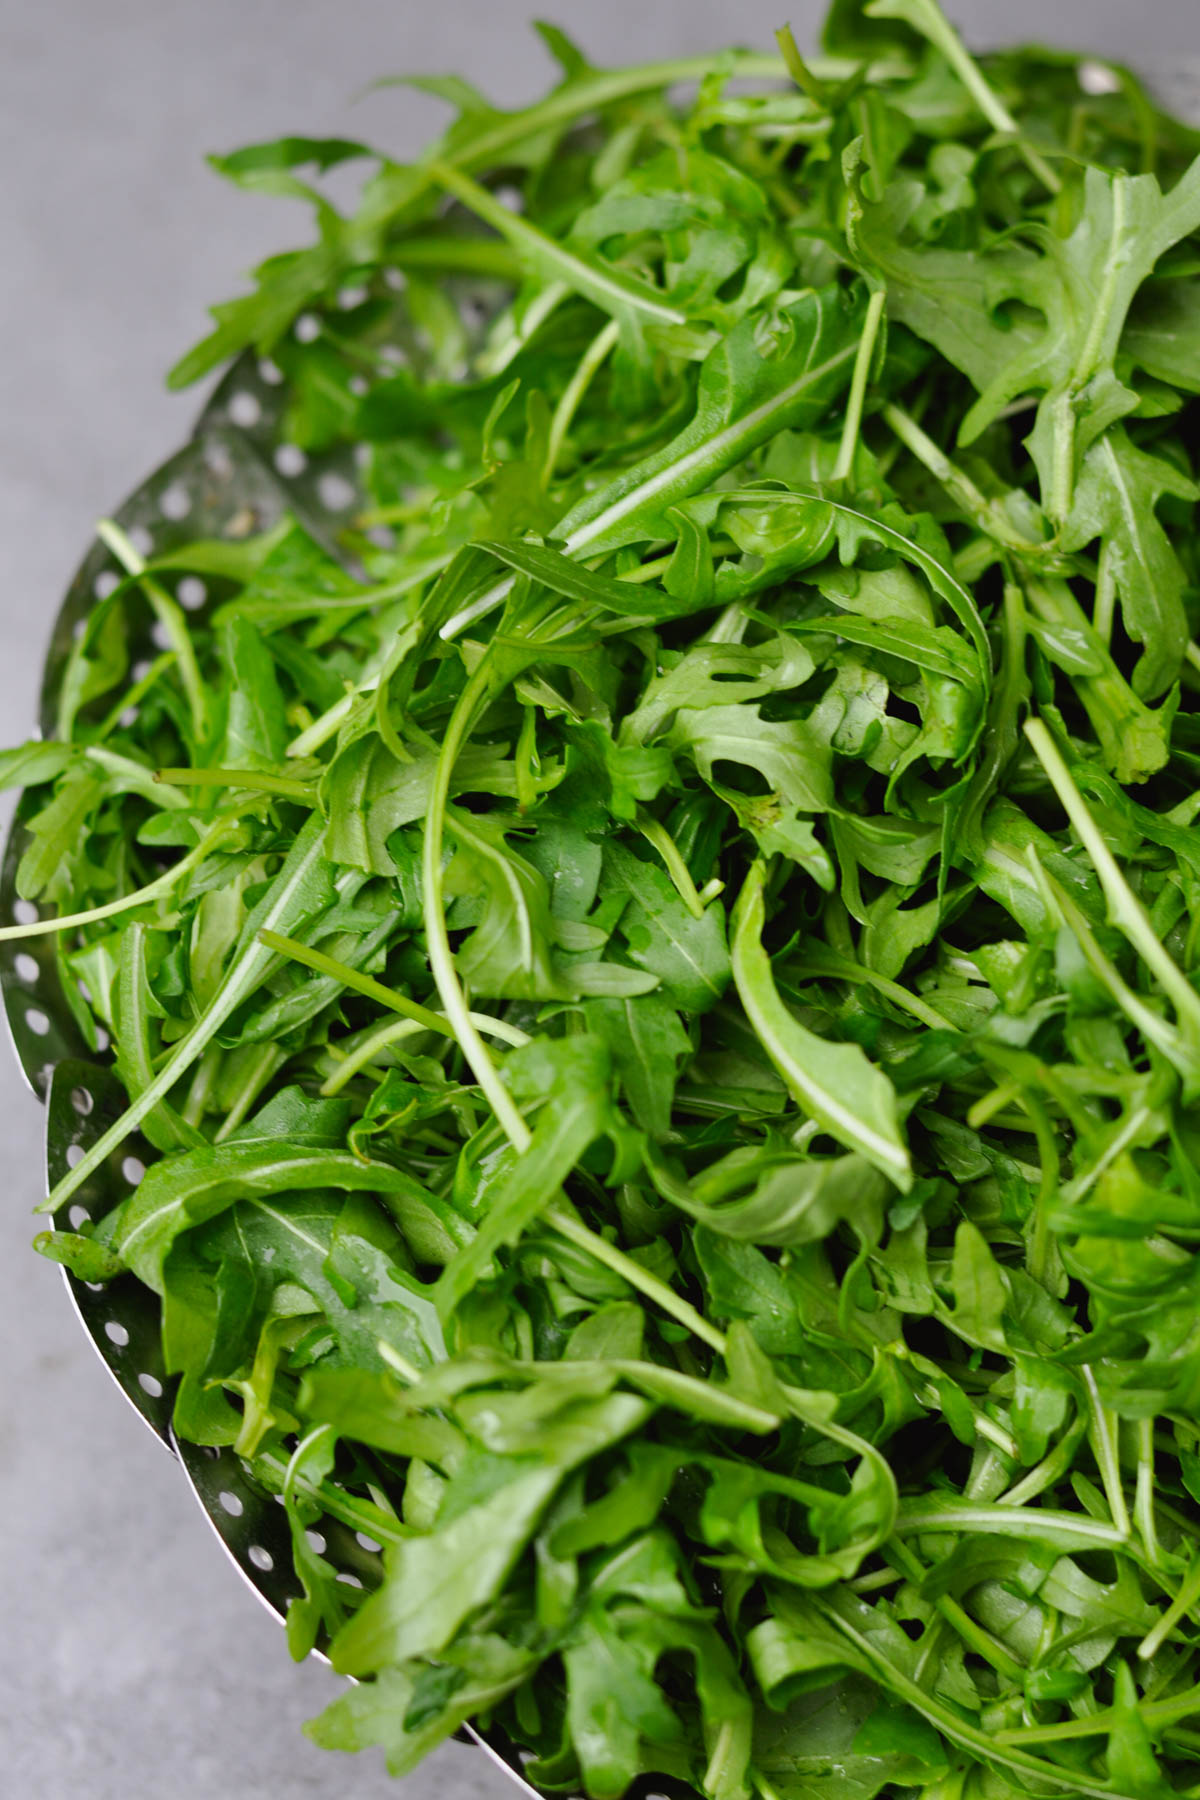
x: 74, y: 1155
x: 78, y: 1215
x: 349, y: 1580
x: 217, y: 461
x: 141, y: 539
x: 368, y: 1543
x: 191, y: 592
x: 262, y: 1559
x: 362, y: 456
x: 382, y: 536
x: 244, y: 409
x: 78, y: 629
x: 160, y: 636
x: 102, y: 1038
x: 37, y: 1021
x: 315, y: 1541
x: 94, y: 1287
x: 128, y: 718
x: 85, y: 990
x: 231, y: 1504
x: 290, y: 459
x: 306, y: 328
x: 133, y: 1168
x: 358, y: 384
x: 82, y: 1101
x: 116, y: 1333
x: 150, y: 1384
x: 350, y: 297
x: 335, y: 491
x: 26, y: 966
x: 175, y: 502
x: 1095, y: 78
x: 140, y: 670
x: 25, y: 912
x: 105, y: 582
x: 270, y: 372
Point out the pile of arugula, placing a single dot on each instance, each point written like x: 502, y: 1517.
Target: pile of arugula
x: 660, y: 976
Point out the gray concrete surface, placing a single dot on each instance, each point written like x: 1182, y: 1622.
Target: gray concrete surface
x: 133, y: 1665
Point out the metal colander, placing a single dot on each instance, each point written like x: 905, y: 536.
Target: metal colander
x: 234, y: 477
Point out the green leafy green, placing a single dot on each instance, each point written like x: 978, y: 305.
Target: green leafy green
x: 658, y: 961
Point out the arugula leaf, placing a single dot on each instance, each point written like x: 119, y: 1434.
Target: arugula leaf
x: 1119, y: 487
x: 647, y: 1043
x: 488, y: 1513
x: 835, y: 1083
x: 573, y: 1114
x: 663, y: 936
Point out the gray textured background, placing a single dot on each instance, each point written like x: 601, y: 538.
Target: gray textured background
x: 133, y: 1666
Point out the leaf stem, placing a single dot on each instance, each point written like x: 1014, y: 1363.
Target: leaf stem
x: 576, y: 1232
x: 322, y: 729
x: 992, y: 1103
x: 1143, y: 1504
x: 1105, y: 601
x: 656, y: 833
x: 959, y: 1619
x: 395, y: 1031
x: 1050, y: 1471
x: 608, y: 287
x: 1183, y: 1604
x: 843, y: 968
x: 989, y: 515
x: 1155, y: 1029
x: 132, y: 697
x: 162, y: 884
x: 352, y: 978
x: 263, y: 1066
x: 487, y: 147
x: 200, y: 1087
x: 1102, y: 1432
x: 1014, y: 1521
x: 859, y: 379
x: 169, y: 615
x: 809, y: 85
x: 1126, y: 1134
x: 930, y: 20
x: 571, y: 396
x: 1125, y: 910
x: 253, y: 781
x: 441, y: 960
x: 1039, y: 1243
